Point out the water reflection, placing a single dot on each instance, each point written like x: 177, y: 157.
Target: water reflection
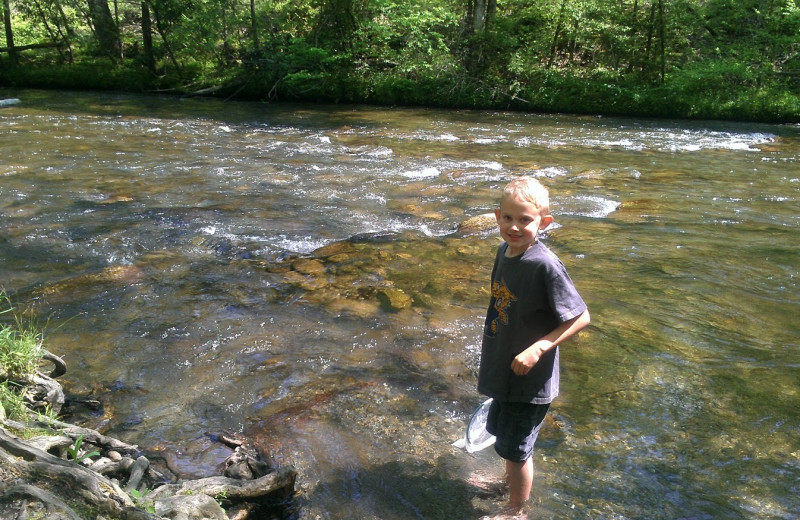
x: 296, y: 274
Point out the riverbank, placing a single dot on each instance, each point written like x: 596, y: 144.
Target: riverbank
x: 694, y: 94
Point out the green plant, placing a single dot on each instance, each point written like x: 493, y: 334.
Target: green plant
x: 20, y: 354
x: 20, y: 345
x: 141, y: 500
x: 12, y: 404
x: 74, y: 450
x: 221, y: 498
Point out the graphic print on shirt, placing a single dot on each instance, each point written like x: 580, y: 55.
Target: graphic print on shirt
x: 498, y: 307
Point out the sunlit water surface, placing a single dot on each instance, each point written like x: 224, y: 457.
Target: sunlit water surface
x: 295, y: 274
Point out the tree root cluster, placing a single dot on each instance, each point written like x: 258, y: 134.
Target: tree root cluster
x: 70, y: 472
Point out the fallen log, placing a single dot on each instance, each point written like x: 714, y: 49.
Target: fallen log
x: 32, y: 46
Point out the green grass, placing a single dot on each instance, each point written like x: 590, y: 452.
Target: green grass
x: 20, y: 354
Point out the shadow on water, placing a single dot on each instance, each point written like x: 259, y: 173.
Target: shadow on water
x: 423, y: 489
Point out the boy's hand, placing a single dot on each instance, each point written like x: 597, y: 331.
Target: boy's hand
x: 526, y: 359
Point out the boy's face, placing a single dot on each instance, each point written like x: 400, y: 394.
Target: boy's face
x: 519, y: 223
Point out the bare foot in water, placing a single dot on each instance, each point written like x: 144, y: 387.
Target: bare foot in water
x: 507, y: 513
x: 488, y: 483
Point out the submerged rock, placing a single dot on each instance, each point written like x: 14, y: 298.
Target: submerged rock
x: 394, y: 299
x: 478, y: 223
x: 308, y: 266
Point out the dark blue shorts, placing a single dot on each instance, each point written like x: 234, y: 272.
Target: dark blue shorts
x: 516, y: 426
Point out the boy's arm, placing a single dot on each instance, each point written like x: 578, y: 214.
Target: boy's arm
x: 526, y: 359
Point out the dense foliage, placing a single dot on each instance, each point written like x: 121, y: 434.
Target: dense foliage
x: 730, y: 59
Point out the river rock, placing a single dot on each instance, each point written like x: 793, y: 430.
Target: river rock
x: 308, y: 266
x: 478, y: 223
x: 393, y: 299
x: 334, y: 248
x: 350, y: 307
x: 309, y: 283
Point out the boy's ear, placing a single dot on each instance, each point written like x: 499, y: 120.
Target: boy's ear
x: 497, y: 214
x: 546, y: 221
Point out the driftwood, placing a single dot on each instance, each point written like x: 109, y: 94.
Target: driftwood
x: 87, y: 435
x: 137, y: 472
x: 59, y: 367
x: 234, y: 490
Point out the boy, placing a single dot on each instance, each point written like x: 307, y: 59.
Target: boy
x: 534, y: 307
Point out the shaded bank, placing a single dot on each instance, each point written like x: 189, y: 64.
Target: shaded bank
x: 692, y: 94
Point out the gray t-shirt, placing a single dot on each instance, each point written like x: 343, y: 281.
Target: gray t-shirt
x: 531, y: 295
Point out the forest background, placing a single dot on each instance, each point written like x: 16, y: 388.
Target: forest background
x: 702, y: 59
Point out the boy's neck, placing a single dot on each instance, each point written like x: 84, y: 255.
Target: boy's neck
x: 513, y: 254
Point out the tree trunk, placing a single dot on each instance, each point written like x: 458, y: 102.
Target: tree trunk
x: 165, y: 40
x: 55, y: 34
x: 12, y: 52
x: 661, y: 37
x: 646, y: 64
x: 557, y: 33
x: 632, y: 35
x: 105, y: 30
x: 482, y: 11
x: 479, y: 15
x: 70, y: 36
x: 254, y: 24
x: 119, y: 35
x: 147, y: 39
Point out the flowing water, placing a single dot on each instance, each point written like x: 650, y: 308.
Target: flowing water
x: 297, y: 274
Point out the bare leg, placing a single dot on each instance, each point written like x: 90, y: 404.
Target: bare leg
x: 520, y: 482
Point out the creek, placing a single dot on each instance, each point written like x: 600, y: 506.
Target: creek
x: 296, y: 274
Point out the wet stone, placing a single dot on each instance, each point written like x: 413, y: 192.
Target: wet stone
x: 356, y: 308
x: 335, y: 248
x: 423, y: 300
x: 309, y: 283
x: 393, y: 299
x: 478, y: 223
x: 278, y: 268
x: 308, y: 266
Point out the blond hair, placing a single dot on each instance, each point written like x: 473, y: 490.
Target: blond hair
x: 529, y: 190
